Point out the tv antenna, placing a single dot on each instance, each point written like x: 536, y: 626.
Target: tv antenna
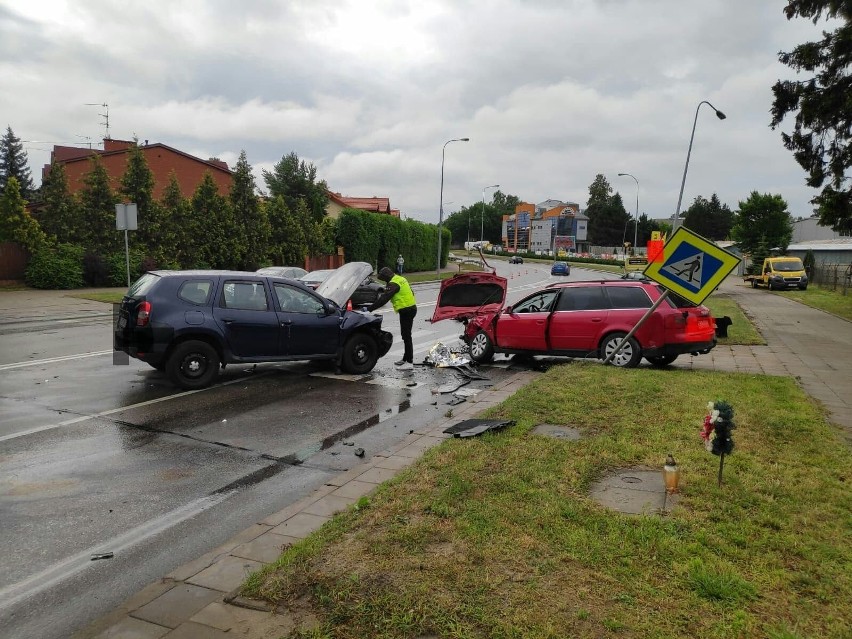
x: 87, y: 138
x: 104, y: 115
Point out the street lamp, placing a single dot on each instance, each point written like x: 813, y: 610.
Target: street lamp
x: 636, y: 226
x: 441, y: 208
x: 482, y: 217
x: 719, y: 115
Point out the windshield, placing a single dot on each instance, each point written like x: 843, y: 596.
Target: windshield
x: 788, y: 265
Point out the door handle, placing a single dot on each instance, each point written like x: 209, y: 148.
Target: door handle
x: 286, y: 323
x: 597, y: 319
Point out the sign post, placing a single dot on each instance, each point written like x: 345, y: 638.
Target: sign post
x: 126, y: 220
x: 688, y: 265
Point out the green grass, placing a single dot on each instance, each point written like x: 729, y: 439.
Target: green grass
x: 496, y: 536
x: 742, y: 331
x: 824, y: 299
x: 110, y: 297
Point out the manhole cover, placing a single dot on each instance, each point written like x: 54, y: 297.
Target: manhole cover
x: 558, y: 432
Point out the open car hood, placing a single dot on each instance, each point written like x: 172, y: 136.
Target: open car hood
x: 467, y: 294
x: 339, y: 286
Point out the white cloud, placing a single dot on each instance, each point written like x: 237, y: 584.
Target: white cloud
x: 550, y: 93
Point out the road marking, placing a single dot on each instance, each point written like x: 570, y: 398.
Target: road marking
x: 120, y: 409
x: 66, y: 568
x: 51, y: 360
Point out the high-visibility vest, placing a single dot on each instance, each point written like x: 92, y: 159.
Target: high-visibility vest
x: 404, y: 297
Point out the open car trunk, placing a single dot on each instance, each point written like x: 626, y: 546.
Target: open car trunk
x: 466, y: 294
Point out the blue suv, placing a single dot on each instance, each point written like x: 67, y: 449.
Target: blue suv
x: 189, y: 323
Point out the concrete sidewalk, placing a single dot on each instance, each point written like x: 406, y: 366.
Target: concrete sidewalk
x: 197, y: 599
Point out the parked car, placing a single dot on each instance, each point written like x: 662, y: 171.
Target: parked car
x: 560, y: 268
x: 188, y: 323
x: 366, y: 293
x: 516, y: 259
x: 574, y: 319
x: 293, y: 272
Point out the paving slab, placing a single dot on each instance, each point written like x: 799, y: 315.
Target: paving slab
x: 191, y: 630
x: 235, y: 621
x: 129, y: 628
x: 300, y: 525
x: 226, y: 574
x: 173, y: 607
x: 265, y: 549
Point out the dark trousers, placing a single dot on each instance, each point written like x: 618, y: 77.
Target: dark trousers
x: 406, y: 323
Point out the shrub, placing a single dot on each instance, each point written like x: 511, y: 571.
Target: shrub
x: 95, y: 272
x: 56, y: 268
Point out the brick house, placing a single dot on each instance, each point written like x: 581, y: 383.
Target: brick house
x: 161, y: 159
x: 338, y: 202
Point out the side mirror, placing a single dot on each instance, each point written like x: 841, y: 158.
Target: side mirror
x: 509, y: 310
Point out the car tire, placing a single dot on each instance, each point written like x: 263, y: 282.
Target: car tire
x: 754, y: 283
x: 360, y: 354
x: 803, y: 288
x: 659, y: 361
x: 193, y: 364
x: 628, y: 357
x: 481, y: 348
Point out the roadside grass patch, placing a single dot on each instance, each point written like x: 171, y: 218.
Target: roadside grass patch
x: 108, y: 297
x: 496, y: 536
x: 824, y: 299
x: 742, y: 330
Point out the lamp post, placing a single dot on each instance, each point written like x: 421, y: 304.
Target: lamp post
x: 719, y: 115
x: 636, y: 226
x: 441, y: 208
x: 482, y: 217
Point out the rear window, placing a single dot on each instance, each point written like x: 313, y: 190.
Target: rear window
x: 628, y: 297
x: 195, y: 291
x: 141, y: 286
x: 471, y: 295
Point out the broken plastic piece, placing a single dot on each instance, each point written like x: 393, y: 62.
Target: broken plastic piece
x: 102, y: 555
x: 472, y: 427
x: 359, y: 452
x: 441, y: 356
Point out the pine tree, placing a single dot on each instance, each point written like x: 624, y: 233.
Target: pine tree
x: 137, y: 187
x: 287, y: 243
x: 294, y: 180
x: 13, y: 164
x: 220, y: 245
x: 178, y: 225
x: 16, y: 224
x: 250, y: 217
x: 98, y: 202
x: 60, y: 214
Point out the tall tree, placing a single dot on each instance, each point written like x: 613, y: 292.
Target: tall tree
x: 296, y: 180
x: 180, y: 230
x: 822, y: 137
x: 249, y: 216
x: 137, y: 186
x: 219, y: 244
x: 608, y: 219
x: 16, y: 224
x: 709, y: 218
x: 60, y: 214
x: 13, y: 164
x: 762, y: 219
x: 98, y: 201
x: 287, y: 244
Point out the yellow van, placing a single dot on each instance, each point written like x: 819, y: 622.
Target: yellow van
x: 635, y: 263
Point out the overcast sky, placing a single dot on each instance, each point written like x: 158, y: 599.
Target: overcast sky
x: 550, y: 92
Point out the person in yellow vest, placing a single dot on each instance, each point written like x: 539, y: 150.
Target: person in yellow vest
x: 398, y: 292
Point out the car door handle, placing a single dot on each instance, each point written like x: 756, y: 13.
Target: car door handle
x: 229, y: 321
x: 597, y: 319
x: 286, y: 323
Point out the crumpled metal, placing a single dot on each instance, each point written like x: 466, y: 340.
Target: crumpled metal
x: 441, y: 356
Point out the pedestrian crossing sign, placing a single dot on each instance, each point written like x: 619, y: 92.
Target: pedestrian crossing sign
x: 691, y: 266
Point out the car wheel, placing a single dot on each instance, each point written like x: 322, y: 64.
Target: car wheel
x: 803, y: 287
x: 193, y: 364
x: 481, y: 348
x: 359, y: 354
x: 754, y: 283
x: 627, y: 357
x: 661, y: 360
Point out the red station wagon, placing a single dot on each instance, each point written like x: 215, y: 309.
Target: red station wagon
x: 575, y: 319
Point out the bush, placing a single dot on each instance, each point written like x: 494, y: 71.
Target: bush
x: 56, y: 268
x: 95, y: 272
x: 117, y: 267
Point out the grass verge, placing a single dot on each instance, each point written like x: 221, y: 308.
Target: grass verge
x: 824, y: 299
x: 496, y: 536
x: 110, y: 297
x: 741, y: 331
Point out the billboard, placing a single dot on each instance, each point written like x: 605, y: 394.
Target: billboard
x: 564, y: 243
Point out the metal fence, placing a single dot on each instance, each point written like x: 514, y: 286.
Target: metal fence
x: 833, y: 277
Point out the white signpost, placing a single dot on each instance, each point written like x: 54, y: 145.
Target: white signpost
x: 126, y: 220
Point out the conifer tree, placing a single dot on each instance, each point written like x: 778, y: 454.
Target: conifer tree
x: 60, y: 213
x: 13, y: 164
x: 16, y: 224
x: 98, y: 202
x: 250, y: 217
x: 178, y: 225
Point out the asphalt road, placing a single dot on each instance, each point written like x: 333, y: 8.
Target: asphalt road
x: 97, y: 457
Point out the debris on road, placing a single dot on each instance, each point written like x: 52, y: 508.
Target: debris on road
x: 359, y: 452
x: 102, y: 555
x: 472, y: 427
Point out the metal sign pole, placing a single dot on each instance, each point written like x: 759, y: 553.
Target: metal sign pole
x: 127, y: 257
x: 638, y: 324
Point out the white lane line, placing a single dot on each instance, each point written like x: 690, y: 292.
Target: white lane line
x: 52, y: 360
x: 120, y: 409
x: 66, y: 568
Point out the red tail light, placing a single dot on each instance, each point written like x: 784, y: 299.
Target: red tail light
x: 143, y: 314
x: 349, y: 305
